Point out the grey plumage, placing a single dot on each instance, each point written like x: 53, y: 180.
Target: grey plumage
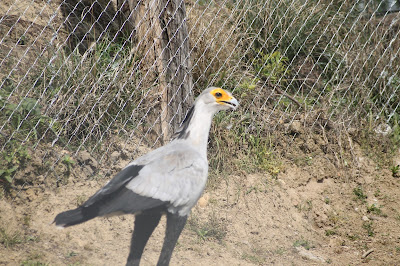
x: 169, y: 179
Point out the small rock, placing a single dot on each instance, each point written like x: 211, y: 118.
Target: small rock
x: 281, y: 182
x: 125, y: 154
x: 94, y: 163
x: 64, y: 152
x: 87, y: 170
x: 295, y: 127
x: 309, y: 255
x: 203, y: 201
x: 115, y: 155
x: 366, y: 253
x: 84, y: 157
x: 365, y: 218
x: 376, y: 218
x: 383, y: 129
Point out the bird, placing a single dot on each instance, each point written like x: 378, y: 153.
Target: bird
x: 168, y: 180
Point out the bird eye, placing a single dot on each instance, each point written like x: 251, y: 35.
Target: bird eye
x: 218, y: 94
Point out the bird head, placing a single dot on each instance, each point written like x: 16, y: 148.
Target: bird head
x: 209, y: 102
x: 218, y: 99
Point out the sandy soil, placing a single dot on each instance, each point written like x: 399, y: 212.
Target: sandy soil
x: 308, y: 215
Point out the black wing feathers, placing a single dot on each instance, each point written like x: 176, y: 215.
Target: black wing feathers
x: 112, y: 198
x: 123, y: 177
x: 182, y: 132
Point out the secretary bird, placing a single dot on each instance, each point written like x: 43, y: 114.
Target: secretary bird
x: 168, y: 180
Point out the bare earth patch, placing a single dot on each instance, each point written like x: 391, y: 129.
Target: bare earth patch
x: 310, y: 214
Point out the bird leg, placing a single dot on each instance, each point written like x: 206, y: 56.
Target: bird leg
x: 145, y: 223
x: 175, y: 225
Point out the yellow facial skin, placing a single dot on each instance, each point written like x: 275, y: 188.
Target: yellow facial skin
x: 221, y: 96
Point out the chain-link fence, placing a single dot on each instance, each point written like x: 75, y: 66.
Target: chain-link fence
x: 83, y: 75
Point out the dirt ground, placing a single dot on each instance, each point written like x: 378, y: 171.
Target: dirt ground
x: 312, y: 213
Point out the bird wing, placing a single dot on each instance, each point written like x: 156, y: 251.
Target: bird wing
x: 176, y: 174
x: 116, y: 183
x: 171, y: 175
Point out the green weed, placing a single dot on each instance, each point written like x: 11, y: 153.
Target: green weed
x: 354, y: 237
x: 9, y: 240
x: 69, y: 162
x: 303, y: 243
x: 395, y: 170
x: 327, y: 200
x: 330, y: 232
x: 14, y: 156
x: 360, y: 195
x: 374, y: 209
x: 271, y: 66
x: 71, y: 254
x: 378, y: 193
x: 368, y: 226
x: 305, y: 206
x: 22, y: 116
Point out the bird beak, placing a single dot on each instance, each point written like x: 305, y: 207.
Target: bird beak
x: 231, y: 103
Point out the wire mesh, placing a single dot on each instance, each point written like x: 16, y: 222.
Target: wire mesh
x: 82, y: 75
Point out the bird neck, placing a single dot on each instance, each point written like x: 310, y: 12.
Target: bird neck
x: 196, y: 127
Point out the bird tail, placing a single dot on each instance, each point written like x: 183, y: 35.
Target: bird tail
x: 72, y: 217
